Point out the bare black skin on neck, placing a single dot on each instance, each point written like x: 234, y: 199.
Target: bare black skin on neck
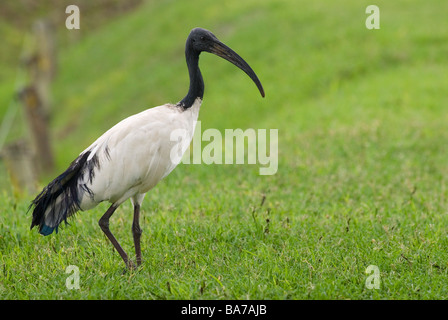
x: 200, y: 40
x: 196, y: 81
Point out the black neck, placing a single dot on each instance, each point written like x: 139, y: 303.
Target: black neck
x: 196, y: 82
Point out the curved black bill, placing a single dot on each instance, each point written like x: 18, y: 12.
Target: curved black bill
x: 223, y: 51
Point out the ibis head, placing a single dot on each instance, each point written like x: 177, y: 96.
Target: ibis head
x: 201, y: 40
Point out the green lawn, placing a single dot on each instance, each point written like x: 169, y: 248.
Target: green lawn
x: 362, y: 177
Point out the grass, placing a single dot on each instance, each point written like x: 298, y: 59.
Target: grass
x: 362, y: 158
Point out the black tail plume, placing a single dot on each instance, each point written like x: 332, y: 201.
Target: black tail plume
x: 59, y: 199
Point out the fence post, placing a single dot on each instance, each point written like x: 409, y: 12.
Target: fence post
x: 19, y: 162
x: 40, y: 64
x: 38, y: 125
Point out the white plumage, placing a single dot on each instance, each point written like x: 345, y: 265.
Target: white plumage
x: 134, y: 155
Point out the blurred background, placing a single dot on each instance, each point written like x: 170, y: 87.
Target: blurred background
x: 362, y: 139
x: 343, y: 97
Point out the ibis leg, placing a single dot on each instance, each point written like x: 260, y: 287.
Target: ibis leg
x: 104, y: 224
x: 137, y: 232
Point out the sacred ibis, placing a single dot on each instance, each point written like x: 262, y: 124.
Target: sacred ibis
x: 129, y: 159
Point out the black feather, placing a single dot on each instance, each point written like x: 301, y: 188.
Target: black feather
x: 66, y: 187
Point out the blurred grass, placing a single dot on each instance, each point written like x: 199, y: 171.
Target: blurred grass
x: 362, y: 156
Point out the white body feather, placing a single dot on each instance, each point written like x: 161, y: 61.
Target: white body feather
x: 134, y: 155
